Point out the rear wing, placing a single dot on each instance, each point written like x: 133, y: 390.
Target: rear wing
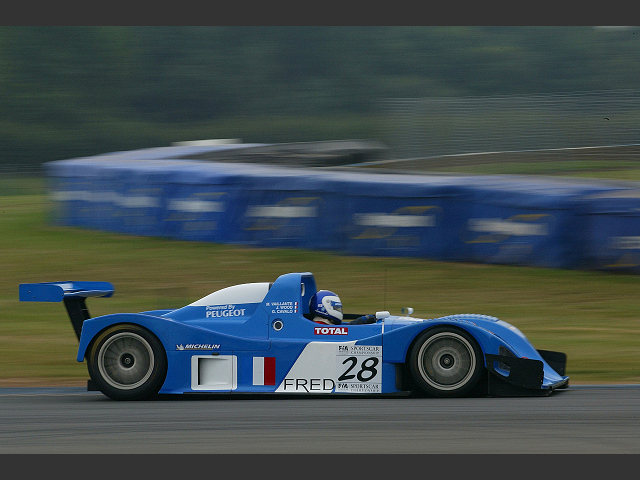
x: 73, y: 294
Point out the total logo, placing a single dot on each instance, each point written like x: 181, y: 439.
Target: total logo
x: 330, y: 331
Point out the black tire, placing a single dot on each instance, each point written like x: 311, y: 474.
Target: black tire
x: 127, y: 362
x: 445, y: 362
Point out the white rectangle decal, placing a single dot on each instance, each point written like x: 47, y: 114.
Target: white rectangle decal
x: 258, y: 370
x: 214, y: 373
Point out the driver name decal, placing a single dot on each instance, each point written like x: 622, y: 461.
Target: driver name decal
x: 283, y: 307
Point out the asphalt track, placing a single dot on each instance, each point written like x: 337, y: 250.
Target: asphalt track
x: 582, y: 419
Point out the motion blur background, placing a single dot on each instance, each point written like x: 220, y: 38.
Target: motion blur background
x: 558, y: 101
x: 423, y: 91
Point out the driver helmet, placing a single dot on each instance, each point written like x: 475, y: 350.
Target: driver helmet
x: 327, y: 305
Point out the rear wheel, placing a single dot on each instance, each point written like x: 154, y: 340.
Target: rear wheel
x: 445, y: 362
x: 127, y: 362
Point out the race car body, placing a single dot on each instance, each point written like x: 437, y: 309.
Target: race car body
x: 259, y: 338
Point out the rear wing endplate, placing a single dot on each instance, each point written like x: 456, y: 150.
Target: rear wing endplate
x: 73, y: 294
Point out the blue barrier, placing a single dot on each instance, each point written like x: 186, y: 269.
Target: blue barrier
x: 488, y: 219
x: 612, y: 232
x: 205, y: 202
x: 397, y: 215
x: 289, y: 207
x: 140, y: 197
x: 75, y: 187
x: 527, y: 221
x: 125, y: 192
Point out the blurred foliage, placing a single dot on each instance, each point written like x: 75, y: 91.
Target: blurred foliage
x: 71, y: 91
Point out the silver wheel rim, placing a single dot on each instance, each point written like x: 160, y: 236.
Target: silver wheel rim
x: 446, y: 361
x: 125, y: 361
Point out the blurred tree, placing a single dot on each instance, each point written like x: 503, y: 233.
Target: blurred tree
x: 68, y: 91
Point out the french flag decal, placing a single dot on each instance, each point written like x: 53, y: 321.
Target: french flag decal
x: 264, y: 370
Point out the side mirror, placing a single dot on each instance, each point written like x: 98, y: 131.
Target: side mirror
x: 383, y: 314
x: 407, y: 310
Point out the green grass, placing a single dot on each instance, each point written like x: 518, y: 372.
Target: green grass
x: 612, y: 163
x: 20, y: 185
x: 627, y: 170
x: 592, y: 316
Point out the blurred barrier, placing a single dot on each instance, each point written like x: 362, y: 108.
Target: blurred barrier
x: 613, y: 230
x: 204, y: 202
x: 489, y: 219
x: 528, y: 220
x: 288, y: 207
x: 400, y: 215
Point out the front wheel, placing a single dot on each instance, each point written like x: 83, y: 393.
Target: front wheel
x: 445, y: 362
x: 127, y: 362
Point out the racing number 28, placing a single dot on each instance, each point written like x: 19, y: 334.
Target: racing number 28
x: 367, y: 369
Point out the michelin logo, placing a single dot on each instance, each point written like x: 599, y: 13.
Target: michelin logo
x: 197, y: 346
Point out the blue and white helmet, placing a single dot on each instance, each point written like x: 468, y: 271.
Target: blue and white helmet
x: 327, y: 305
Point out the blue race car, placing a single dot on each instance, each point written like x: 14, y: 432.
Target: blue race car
x: 261, y: 338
